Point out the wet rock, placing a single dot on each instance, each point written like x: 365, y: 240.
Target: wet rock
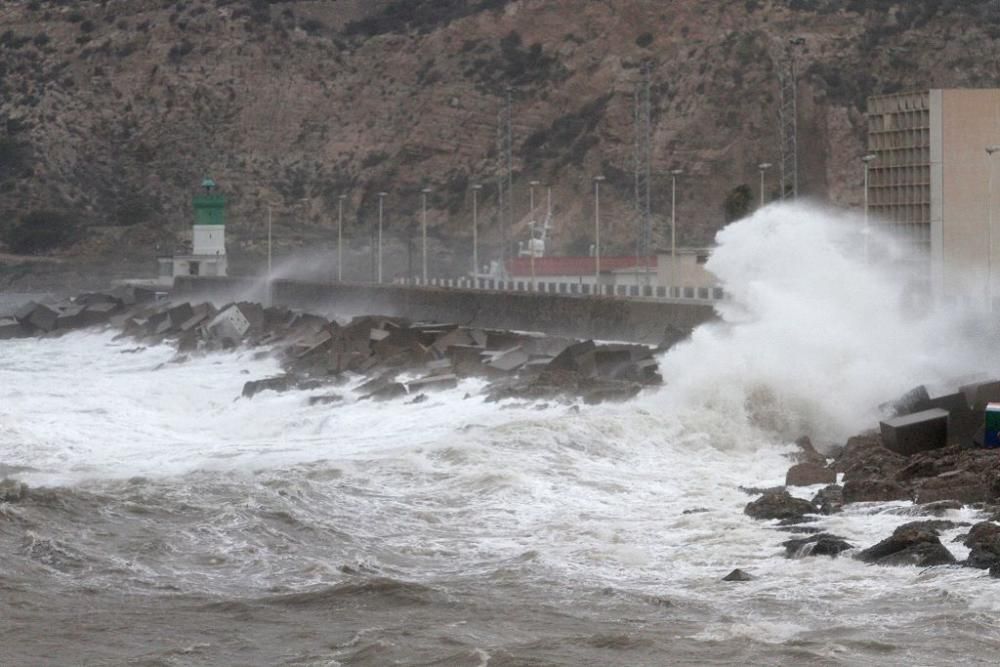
x: 983, y: 541
x: 778, y: 505
x: 830, y: 499
x: 12, y: 490
x: 739, y: 575
x: 809, y: 473
x: 940, y: 507
x: 995, y: 570
x: 909, y: 545
x: 11, y: 328
x: 956, y: 485
x: 820, y: 544
x: 864, y: 456
x: 873, y: 490
x: 433, y: 383
x: 388, y: 392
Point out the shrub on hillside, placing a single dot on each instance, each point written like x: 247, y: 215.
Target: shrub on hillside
x: 39, y: 232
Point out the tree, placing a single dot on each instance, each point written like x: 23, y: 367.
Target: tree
x: 737, y: 203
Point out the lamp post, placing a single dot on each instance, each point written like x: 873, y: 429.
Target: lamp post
x: 423, y: 231
x: 597, y: 233
x: 990, y: 151
x: 340, y: 238
x: 269, y: 250
x: 531, y: 228
x: 674, y: 173
x: 475, y: 234
x: 381, y: 197
x: 763, y: 166
x: 867, y: 159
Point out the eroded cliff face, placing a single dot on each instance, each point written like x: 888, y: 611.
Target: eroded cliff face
x: 114, y: 110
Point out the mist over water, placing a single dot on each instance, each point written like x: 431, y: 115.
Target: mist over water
x: 173, y: 522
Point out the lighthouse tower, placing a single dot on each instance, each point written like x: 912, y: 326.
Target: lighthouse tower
x: 209, y: 237
x: 208, y: 240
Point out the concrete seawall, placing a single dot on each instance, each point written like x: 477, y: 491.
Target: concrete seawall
x: 582, y: 317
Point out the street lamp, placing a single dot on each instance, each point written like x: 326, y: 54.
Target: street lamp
x: 423, y: 230
x: 674, y: 173
x: 990, y: 151
x: 763, y: 166
x: 381, y: 197
x: 340, y: 238
x: 597, y: 233
x: 475, y: 234
x: 531, y: 227
x: 867, y: 159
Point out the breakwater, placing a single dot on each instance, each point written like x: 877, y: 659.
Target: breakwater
x: 584, y: 317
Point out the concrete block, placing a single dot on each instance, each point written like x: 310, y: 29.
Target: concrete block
x: 578, y: 358
x: 229, y: 323
x: 509, y: 360
x: 433, y: 383
x: 71, y: 317
x: 503, y: 340
x: 453, y: 337
x: 23, y: 314
x: 962, y: 419
x: 179, y: 314
x: 11, y: 328
x: 917, y: 432
x: 915, y: 400
x: 979, y: 394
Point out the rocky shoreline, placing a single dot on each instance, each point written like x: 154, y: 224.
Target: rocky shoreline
x: 865, y: 471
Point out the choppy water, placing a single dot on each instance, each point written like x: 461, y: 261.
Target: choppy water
x: 173, y: 523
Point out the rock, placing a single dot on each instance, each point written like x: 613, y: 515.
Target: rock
x: 278, y: 383
x: 433, y: 383
x: 577, y: 358
x: 983, y: 541
x: 778, y: 505
x: 325, y: 399
x: 738, y: 575
x: 830, y: 499
x: 820, y: 544
x: 42, y: 317
x: 939, y: 507
x: 11, y: 328
x: 909, y: 545
x: 809, y: 473
x: 916, y: 432
x: 864, y: 456
x: 873, y: 490
x: 995, y: 570
x: 12, y: 490
x: 958, y: 485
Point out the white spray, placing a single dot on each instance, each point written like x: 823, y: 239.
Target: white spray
x: 813, y: 338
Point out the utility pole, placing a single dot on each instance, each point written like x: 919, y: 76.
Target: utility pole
x: 643, y: 160
x: 597, y: 233
x: 340, y: 238
x: 990, y: 151
x: 475, y: 234
x: 788, y: 118
x: 505, y: 175
x: 423, y: 232
x: 763, y: 166
x: 381, y: 196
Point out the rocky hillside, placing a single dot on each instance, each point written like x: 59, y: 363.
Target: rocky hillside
x: 111, y: 111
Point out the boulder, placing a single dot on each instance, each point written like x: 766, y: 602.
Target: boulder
x: 738, y: 575
x: 995, y: 570
x: 42, y: 317
x: 807, y: 453
x: 779, y: 505
x: 983, y: 541
x: 389, y: 392
x: 865, y: 456
x: 808, y: 473
x: 820, y: 544
x: 909, y: 544
x: 11, y: 328
x: 874, y: 489
x: 959, y: 485
x: 830, y: 499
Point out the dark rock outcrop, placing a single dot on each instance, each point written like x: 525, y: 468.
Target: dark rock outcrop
x: 983, y: 541
x: 779, y: 505
x: 820, y: 544
x: 909, y: 544
x: 830, y: 499
x: 738, y: 575
x: 809, y: 473
x: 874, y: 489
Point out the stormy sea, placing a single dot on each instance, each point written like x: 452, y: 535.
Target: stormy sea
x: 172, y: 522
